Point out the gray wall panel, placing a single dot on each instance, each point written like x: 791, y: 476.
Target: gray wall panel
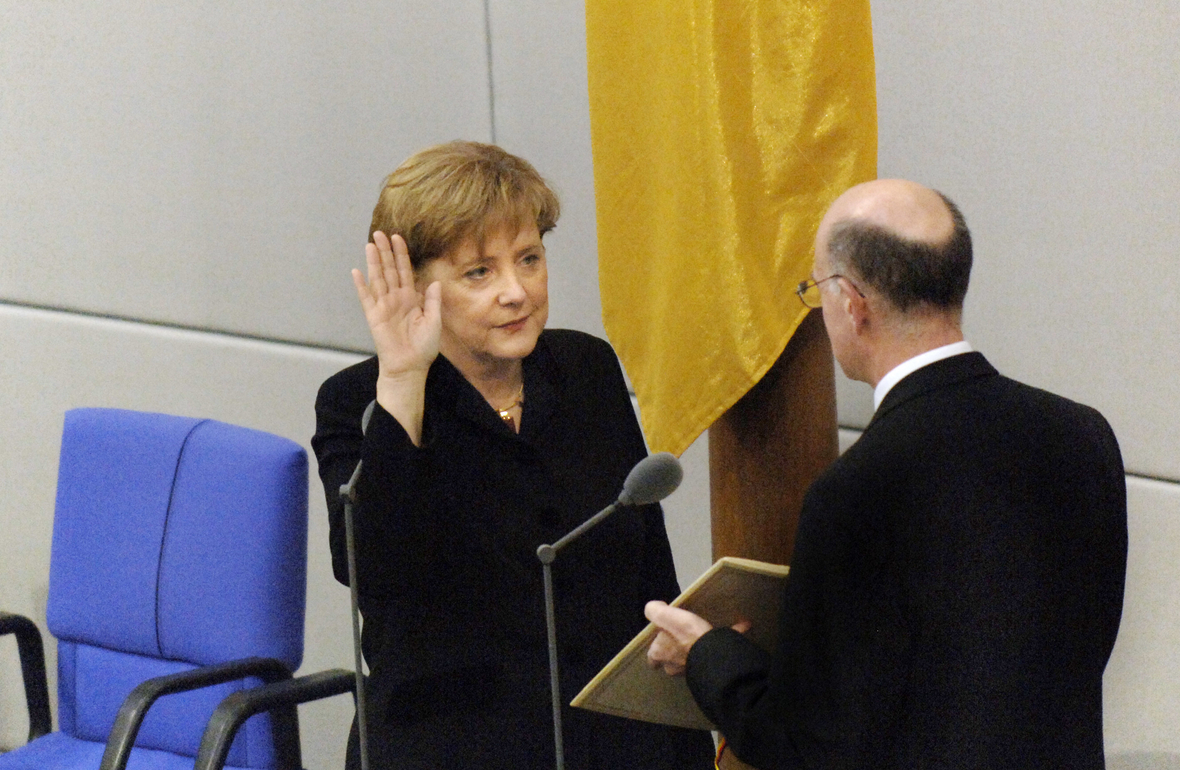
x: 1141, y: 688
x: 215, y: 164
x: 1053, y: 124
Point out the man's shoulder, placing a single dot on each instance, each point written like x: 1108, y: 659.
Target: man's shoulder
x: 991, y: 418
x: 966, y: 380
x: 1020, y: 400
x: 1056, y: 416
x: 1037, y: 395
x: 962, y: 396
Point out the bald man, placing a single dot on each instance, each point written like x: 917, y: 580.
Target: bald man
x: 957, y: 580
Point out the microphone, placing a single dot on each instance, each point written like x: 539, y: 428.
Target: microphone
x: 652, y: 479
x: 348, y: 494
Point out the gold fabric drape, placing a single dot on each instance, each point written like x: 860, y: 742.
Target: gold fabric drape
x: 722, y: 129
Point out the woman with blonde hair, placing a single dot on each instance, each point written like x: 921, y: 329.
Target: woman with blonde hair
x: 491, y: 436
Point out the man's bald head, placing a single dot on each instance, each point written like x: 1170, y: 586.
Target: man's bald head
x: 906, y: 242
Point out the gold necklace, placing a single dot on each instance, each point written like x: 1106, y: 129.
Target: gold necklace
x: 504, y: 413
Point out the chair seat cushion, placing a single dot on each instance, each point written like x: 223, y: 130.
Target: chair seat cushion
x: 173, y: 723
x: 58, y: 751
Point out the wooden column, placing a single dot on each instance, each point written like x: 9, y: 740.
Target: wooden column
x: 768, y: 448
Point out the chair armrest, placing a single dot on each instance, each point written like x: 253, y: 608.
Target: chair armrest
x: 32, y: 667
x: 242, y: 705
x: 135, y: 707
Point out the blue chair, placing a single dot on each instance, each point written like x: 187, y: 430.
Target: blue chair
x: 179, y: 561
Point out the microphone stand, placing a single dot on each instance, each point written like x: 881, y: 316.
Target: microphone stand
x: 348, y: 495
x: 547, y: 554
x: 652, y: 479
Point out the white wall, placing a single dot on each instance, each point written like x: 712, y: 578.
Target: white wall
x: 213, y: 166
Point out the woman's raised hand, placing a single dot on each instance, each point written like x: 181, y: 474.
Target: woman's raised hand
x: 405, y: 325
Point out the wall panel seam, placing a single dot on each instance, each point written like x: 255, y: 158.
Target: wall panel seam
x: 210, y: 330
x: 487, y: 19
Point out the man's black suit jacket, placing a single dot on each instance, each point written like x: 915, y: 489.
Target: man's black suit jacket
x: 954, y: 594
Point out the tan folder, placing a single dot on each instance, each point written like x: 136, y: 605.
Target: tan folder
x: 730, y: 591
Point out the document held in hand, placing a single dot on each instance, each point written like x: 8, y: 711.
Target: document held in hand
x: 730, y: 591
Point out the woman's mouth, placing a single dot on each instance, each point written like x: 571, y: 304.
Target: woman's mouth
x: 514, y: 326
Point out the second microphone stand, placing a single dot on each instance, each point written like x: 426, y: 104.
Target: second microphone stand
x: 652, y: 479
x: 348, y: 496
x: 547, y: 553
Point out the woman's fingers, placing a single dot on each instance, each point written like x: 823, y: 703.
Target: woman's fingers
x: 388, y: 263
x: 396, y: 272
x: 375, y: 258
x: 362, y: 290
x: 405, y: 325
x: 401, y: 257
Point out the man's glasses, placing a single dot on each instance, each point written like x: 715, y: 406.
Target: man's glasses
x: 810, y: 295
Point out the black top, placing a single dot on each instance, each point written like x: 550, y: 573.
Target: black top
x: 954, y: 594
x: 449, y: 581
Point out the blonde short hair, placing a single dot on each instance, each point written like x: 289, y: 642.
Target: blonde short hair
x: 443, y: 195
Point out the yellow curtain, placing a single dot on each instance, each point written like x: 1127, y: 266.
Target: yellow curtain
x: 721, y: 129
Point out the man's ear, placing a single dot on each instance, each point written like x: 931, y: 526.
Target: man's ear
x: 857, y: 308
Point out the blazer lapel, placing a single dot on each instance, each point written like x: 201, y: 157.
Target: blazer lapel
x: 450, y: 390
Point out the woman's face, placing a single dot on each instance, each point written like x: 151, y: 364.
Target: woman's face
x: 495, y: 300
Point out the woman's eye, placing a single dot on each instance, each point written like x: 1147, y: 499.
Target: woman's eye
x: 476, y: 273
x: 530, y: 259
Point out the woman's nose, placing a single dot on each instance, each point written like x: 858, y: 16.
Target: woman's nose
x: 512, y: 291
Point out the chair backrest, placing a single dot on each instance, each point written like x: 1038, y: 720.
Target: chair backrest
x: 177, y: 542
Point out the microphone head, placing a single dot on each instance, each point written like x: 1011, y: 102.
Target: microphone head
x: 652, y: 479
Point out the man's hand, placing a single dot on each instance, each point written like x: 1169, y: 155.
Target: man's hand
x: 679, y: 631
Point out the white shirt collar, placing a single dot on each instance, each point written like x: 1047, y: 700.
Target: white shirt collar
x: 897, y: 373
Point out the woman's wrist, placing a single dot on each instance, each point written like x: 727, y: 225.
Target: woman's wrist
x: 404, y: 397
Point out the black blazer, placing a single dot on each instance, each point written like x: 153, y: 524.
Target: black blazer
x: 954, y: 594
x: 449, y: 581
